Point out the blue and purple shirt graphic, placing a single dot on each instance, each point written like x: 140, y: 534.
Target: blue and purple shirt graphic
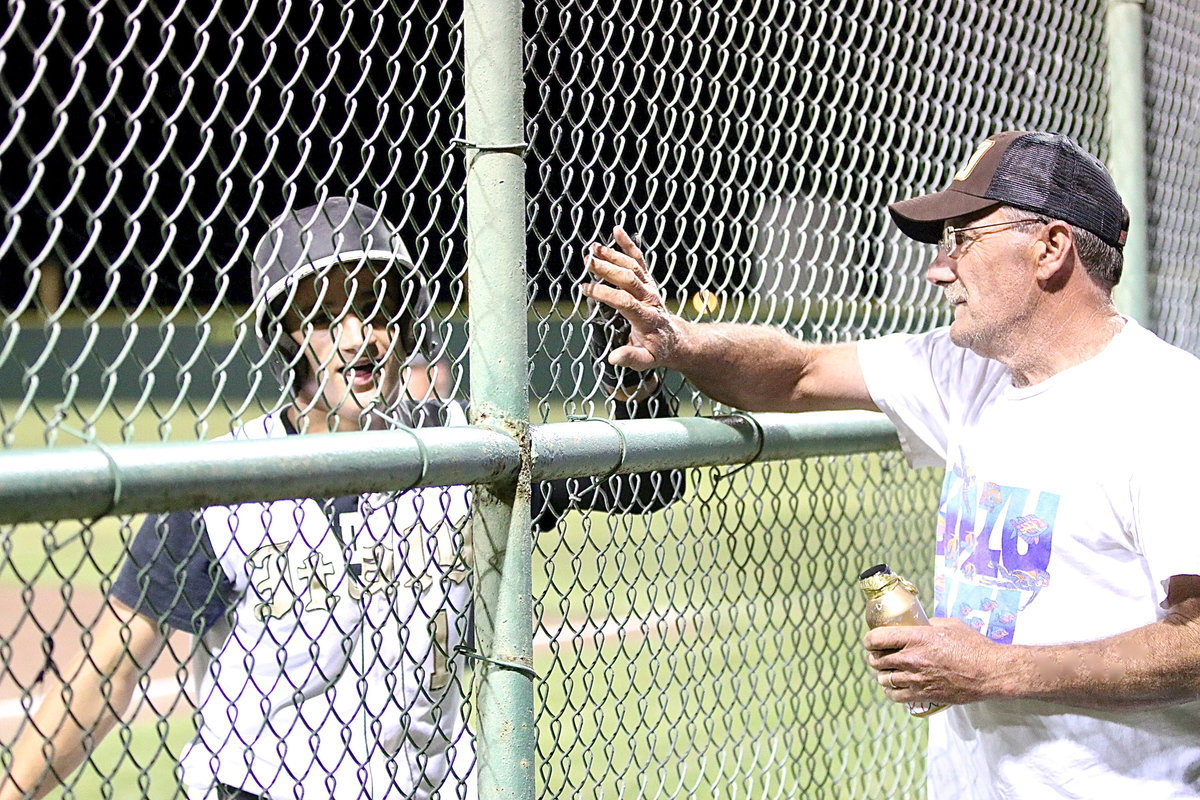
x: 993, y: 550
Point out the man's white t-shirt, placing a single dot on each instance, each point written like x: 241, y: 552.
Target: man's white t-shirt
x: 1065, y: 507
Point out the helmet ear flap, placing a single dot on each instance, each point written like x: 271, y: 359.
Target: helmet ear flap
x: 285, y: 359
x: 408, y: 334
x: 418, y: 330
x: 281, y: 351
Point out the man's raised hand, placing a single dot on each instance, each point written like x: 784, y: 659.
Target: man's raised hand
x: 623, y: 282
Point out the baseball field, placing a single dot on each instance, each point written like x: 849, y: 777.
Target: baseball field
x: 708, y: 650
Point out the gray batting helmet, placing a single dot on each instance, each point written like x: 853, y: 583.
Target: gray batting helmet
x: 310, y: 240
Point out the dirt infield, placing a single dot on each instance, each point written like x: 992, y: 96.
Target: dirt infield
x: 44, y: 627
x: 47, y: 620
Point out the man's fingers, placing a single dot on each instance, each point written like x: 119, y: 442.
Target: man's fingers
x: 638, y: 358
x: 890, y: 637
x: 603, y: 253
x: 628, y: 244
x: 899, y: 687
x: 623, y: 284
x: 641, y: 308
x: 885, y: 646
x: 641, y: 288
x: 889, y: 679
x: 641, y: 316
x: 880, y: 659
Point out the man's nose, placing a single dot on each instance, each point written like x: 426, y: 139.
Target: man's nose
x: 940, y: 271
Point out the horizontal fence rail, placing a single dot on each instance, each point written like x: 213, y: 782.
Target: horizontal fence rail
x: 88, y: 482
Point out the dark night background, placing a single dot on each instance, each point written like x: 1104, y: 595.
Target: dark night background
x: 180, y: 132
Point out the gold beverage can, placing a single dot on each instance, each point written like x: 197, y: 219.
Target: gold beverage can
x: 892, y: 600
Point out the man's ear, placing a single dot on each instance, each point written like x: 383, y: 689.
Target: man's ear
x: 1053, y: 249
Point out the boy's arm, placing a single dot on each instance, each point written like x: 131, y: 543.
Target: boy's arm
x: 71, y: 721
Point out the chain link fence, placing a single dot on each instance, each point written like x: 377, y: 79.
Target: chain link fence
x: 706, y: 649
x: 1173, y: 151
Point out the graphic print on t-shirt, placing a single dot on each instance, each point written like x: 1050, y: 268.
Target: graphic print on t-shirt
x: 993, y: 550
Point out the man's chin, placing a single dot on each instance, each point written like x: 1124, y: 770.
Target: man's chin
x: 979, y: 342
x: 961, y: 334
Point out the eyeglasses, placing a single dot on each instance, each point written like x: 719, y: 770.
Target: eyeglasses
x: 953, y: 241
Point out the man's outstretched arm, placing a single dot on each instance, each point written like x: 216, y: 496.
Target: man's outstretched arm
x: 753, y: 367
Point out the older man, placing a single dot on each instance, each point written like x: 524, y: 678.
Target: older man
x: 1067, y: 635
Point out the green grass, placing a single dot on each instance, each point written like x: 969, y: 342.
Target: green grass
x: 749, y: 681
x: 755, y: 685
x: 135, y: 761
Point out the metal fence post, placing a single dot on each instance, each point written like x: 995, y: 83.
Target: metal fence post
x: 499, y: 357
x: 1127, y: 146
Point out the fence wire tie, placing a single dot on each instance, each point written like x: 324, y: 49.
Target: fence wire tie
x: 424, y: 456
x: 620, y: 435
x: 113, y: 469
x: 759, y: 434
x: 512, y: 666
x: 517, y: 148
x: 400, y: 426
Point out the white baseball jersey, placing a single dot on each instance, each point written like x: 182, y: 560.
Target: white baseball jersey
x: 330, y: 632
